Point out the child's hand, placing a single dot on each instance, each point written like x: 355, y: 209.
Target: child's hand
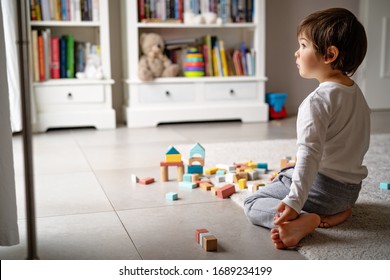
x: 288, y: 214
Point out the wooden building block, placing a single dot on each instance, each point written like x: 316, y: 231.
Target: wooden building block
x: 210, y: 243
x: 199, y: 231
x: 242, y: 184
x: 213, y: 190
x: 188, y: 185
x: 164, y: 173
x: 196, y: 159
x: 180, y: 173
x: 194, y: 177
x: 206, y: 185
x: 146, y: 181
x: 226, y: 191
x: 171, y: 196
x: 384, y: 185
x: 211, y: 171
x: 173, y: 157
x: 174, y: 163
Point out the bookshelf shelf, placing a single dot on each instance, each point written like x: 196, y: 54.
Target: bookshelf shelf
x: 181, y: 99
x: 198, y: 26
x: 53, y: 23
x: 60, y: 99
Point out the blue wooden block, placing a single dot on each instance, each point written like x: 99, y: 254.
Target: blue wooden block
x: 384, y: 186
x: 188, y: 185
x: 262, y: 165
x: 220, y: 172
x: 195, y: 169
x: 187, y: 177
x: 171, y: 196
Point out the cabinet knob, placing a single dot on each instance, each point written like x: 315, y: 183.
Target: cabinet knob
x: 167, y: 93
x: 70, y: 96
x: 232, y: 92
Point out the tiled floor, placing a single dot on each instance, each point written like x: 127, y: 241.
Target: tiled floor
x: 87, y: 207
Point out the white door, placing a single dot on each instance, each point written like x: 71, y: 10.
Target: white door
x: 375, y: 16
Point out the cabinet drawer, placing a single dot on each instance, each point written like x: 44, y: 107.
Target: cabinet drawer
x: 231, y: 91
x: 166, y: 93
x: 70, y: 94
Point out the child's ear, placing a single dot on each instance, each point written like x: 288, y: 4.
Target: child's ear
x: 331, y: 54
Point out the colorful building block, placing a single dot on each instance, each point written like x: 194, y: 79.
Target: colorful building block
x: 199, y: 231
x: 210, y: 243
x: 146, y: 181
x: 226, y: 191
x: 171, y: 196
x: 384, y: 185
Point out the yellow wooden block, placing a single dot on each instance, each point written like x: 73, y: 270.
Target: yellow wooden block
x: 211, y: 171
x: 242, y: 183
x: 173, y: 158
x: 251, y: 164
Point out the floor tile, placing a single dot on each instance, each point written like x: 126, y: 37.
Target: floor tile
x: 169, y: 233
x: 97, y: 236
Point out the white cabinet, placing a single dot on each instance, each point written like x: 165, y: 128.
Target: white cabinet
x: 73, y: 102
x: 181, y: 99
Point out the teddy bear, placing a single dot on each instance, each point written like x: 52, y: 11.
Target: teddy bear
x: 153, y: 62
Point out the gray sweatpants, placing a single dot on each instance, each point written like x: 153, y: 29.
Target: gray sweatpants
x: 326, y: 197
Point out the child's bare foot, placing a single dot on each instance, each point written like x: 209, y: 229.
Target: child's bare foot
x: 336, y: 219
x: 290, y: 233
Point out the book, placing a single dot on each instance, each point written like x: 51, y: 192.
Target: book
x: 70, y: 56
x: 223, y: 58
x: 63, y: 57
x: 55, y: 58
x: 41, y: 57
x: 34, y: 46
x: 47, y: 53
x: 243, y: 57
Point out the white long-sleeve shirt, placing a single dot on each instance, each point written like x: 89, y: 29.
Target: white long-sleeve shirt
x: 333, y: 135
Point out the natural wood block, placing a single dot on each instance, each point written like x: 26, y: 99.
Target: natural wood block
x: 210, y: 243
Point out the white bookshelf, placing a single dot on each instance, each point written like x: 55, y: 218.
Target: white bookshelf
x: 181, y: 99
x: 72, y: 102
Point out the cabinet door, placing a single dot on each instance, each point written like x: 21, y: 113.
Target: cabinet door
x: 69, y: 94
x: 231, y: 91
x: 166, y: 93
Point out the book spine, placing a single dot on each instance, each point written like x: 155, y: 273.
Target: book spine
x: 34, y: 45
x: 41, y: 55
x: 95, y: 10
x: 63, y: 57
x: 55, y: 58
x: 223, y: 58
x: 70, y: 56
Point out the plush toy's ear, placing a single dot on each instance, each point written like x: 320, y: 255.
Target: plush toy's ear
x: 142, y: 38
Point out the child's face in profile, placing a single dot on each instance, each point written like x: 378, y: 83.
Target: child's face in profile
x: 307, y: 59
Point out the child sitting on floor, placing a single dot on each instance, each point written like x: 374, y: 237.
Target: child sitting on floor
x: 333, y: 135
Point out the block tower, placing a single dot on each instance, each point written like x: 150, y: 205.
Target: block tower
x: 172, y: 158
x: 196, y: 160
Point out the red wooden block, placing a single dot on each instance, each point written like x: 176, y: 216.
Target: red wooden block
x: 146, y: 181
x: 199, y: 231
x: 164, y: 163
x: 226, y: 191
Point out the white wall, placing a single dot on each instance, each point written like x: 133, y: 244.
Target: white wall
x: 281, y: 43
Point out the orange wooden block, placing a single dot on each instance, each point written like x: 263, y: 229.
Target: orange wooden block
x: 226, y: 191
x: 146, y: 181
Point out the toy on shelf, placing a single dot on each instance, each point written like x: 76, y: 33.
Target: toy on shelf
x: 194, y: 64
x: 276, y: 101
x: 172, y: 158
x: 153, y: 63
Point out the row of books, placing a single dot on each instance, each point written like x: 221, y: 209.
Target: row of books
x: 58, y: 57
x: 219, y: 60
x: 172, y: 10
x: 64, y: 10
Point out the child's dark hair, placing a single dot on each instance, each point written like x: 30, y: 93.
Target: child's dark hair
x: 340, y: 28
